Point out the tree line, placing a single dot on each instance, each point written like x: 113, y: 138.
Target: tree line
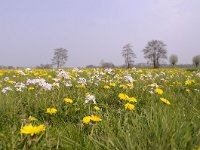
x: 154, y: 52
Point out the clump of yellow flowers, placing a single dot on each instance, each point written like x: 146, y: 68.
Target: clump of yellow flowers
x: 189, y: 82
x: 68, y: 100
x: 123, y: 96
x: 126, y: 97
x: 32, y: 130
x: 51, y: 111
x: 91, y: 119
x: 129, y: 106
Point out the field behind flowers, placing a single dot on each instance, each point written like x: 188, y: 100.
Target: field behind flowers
x: 100, y: 109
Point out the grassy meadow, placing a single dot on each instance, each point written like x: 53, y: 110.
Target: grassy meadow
x: 111, y: 109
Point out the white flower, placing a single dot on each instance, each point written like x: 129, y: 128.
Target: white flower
x: 128, y: 78
x: 56, y: 79
x: 151, y: 92
x: 198, y: 74
x: 109, y: 71
x: 67, y: 83
x: 90, y: 98
x: 21, y: 73
x: 40, y: 82
x: 4, y: 90
x: 56, y: 84
x: 28, y: 69
x: 47, y: 86
x: 134, y: 68
x: 77, y: 70
x: 63, y: 74
x: 19, y: 86
x: 82, y: 81
x: 6, y: 78
x: 149, y: 75
x: 154, y: 85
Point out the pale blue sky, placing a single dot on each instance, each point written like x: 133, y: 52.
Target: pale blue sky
x: 93, y: 30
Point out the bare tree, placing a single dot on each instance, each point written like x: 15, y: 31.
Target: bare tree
x: 154, y: 52
x: 196, y: 60
x: 128, y: 54
x: 173, y: 59
x: 60, y: 57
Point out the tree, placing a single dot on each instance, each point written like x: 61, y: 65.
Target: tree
x: 196, y: 60
x: 107, y: 65
x: 90, y: 66
x: 173, y: 59
x: 10, y: 67
x: 154, y: 52
x: 60, y: 57
x: 44, y: 66
x: 128, y: 54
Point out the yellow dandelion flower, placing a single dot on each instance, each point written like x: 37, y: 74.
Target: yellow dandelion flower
x: 123, y: 96
x: 40, y: 128
x: 68, y: 100
x: 96, y: 108
x: 30, y: 129
x: 36, y: 74
x: 187, y: 90
x: 86, y: 119
x: 95, y: 118
x: 112, y: 84
x: 165, y: 101
x: 87, y: 93
x: 31, y: 118
x: 106, y: 87
x: 92, y: 118
x: 189, y: 82
x: 31, y: 88
x: 123, y: 86
x: 51, y: 111
x: 132, y: 99
x: 10, y: 81
x: 159, y: 91
x: 129, y: 106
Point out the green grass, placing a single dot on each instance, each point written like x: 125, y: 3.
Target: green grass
x: 152, y: 125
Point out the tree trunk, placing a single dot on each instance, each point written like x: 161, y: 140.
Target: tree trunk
x: 154, y: 64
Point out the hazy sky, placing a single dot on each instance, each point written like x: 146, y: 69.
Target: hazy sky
x: 93, y: 30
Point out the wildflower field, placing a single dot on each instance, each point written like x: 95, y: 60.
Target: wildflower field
x: 100, y: 109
